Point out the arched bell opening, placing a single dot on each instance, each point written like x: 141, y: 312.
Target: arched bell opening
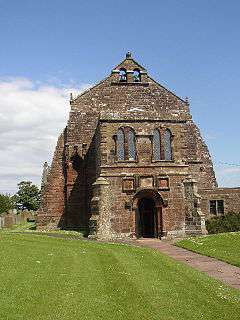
x: 147, y: 205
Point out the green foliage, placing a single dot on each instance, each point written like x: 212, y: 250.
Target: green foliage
x: 222, y: 246
x: 227, y: 223
x: 6, y: 203
x: 49, y: 278
x: 28, y: 196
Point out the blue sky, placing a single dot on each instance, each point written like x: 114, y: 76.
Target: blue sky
x: 191, y: 47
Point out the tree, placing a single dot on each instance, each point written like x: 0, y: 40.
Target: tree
x: 28, y: 196
x: 6, y: 203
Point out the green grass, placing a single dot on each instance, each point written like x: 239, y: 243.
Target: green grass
x: 31, y: 228
x: 25, y: 226
x: 49, y: 278
x: 223, y: 246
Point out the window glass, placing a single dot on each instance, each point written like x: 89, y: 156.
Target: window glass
x: 167, y: 145
x: 213, y: 207
x: 131, y: 145
x: 120, y: 145
x: 220, y: 206
x: 216, y: 207
x: 156, y: 145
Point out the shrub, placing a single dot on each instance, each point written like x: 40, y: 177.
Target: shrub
x: 227, y: 223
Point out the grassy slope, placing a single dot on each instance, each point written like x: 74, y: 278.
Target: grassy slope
x: 48, y: 278
x: 223, y: 246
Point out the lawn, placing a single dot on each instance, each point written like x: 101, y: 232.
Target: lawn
x: 223, y: 246
x: 52, y: 278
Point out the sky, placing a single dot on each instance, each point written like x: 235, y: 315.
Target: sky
x: 51, y: 48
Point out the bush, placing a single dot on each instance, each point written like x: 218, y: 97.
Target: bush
x: 228, y: 223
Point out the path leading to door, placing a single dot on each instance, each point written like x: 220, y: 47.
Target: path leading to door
x: 214, y: 268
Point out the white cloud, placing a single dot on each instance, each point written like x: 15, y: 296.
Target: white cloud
x: 229, y: 170
x: 228, y: 176
x: 31, y: 118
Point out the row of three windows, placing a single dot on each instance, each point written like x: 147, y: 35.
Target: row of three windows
x: 126, y: 144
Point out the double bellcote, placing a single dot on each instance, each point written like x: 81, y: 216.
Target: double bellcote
x: 129, y: 72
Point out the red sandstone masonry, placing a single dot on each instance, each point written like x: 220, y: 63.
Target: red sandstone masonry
x: 87, y: 150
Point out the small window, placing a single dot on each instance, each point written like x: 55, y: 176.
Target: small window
x: 213, y: 206
x: 136, y: 75
x: 122, y: 75
x: 156, y: 145
x: 216, y: 207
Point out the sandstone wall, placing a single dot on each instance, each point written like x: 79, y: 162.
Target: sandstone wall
x: 230, y: 196
x: 51, y: 212
x: 87, y: 149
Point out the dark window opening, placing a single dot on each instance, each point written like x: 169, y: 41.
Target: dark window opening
x: 216, y: 207
x: 220, y: 206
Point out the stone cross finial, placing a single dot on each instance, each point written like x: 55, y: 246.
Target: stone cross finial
x: 128, y: 55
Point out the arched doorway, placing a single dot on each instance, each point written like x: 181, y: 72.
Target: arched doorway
x: 147, y: 204
x: 147, y: 218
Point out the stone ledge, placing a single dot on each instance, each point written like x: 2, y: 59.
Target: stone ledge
x: 125, y: 83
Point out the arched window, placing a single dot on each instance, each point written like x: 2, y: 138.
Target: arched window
x: 136, y: 75
x: 126, y: 144
x: 120, y: 145
x: 122, y: 75
x: 167, y: 137
x: 131, y: 145
x: 156, y: 145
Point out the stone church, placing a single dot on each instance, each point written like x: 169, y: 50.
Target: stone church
x: 131, y: 163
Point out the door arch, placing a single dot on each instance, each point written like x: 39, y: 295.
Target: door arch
x: 147, y: 205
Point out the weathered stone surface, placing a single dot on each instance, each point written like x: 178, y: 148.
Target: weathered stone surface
x: 87, y: 150
x: 230, y: 196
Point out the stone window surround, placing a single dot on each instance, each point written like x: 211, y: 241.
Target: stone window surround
x: 126, y: 130
x: 161, y: 131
